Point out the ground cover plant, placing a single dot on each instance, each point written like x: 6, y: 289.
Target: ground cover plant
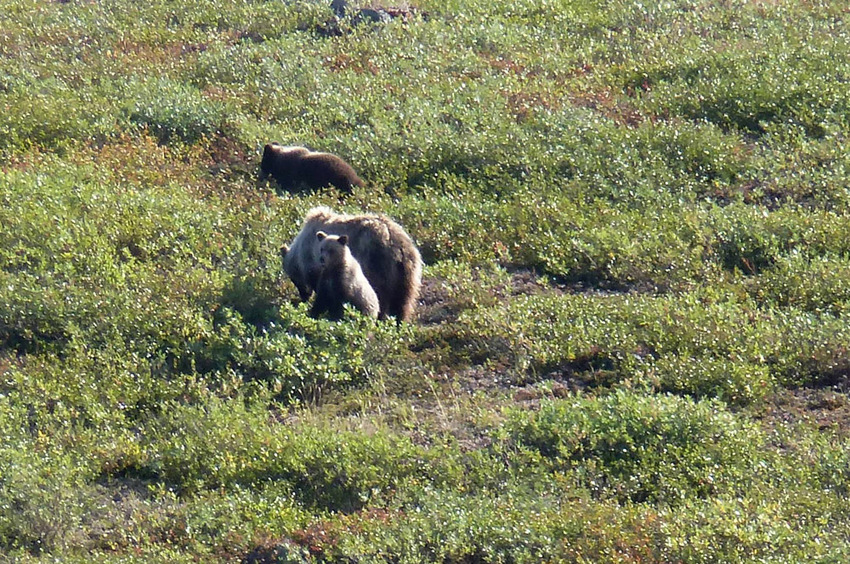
x: 632, y: 341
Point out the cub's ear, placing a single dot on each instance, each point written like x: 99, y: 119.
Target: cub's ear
x: 284, y: 249
x: 320, y: 235
x: 343, y: 240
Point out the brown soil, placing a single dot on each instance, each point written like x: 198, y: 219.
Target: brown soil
x: 826, y: 408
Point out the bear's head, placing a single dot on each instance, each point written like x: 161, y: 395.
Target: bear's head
x: 267, y: 162
x: 332, y: 249
x: 276, y: 155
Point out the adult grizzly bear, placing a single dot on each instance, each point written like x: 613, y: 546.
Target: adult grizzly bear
x: 341, y: 280
x: 297, y: 168
x: 388, y: 257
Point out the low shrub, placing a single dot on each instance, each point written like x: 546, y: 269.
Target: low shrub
x: 49, y: 119
x: 817, y: 285
x: 643, y: 448
x: 173, y: 111
x: 733, y: 381
x: 45, y: 499
x: 224, y: 443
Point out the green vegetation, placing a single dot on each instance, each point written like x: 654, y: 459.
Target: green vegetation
x: 632, y: 343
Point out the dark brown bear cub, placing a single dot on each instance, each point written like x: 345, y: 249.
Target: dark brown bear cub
x: 298, y: 168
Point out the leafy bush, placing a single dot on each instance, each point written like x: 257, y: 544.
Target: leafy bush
x: 172, y: 111
x: 445, y: 526
x: 44, y: 496
x: 819, y: 285
x: 222, y: 443
x: 734, y: 382
x: 744, y: 240
x: 656, y: 449
x: 47, y: 118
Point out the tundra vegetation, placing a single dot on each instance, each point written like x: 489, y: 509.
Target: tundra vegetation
x: 632, y: 343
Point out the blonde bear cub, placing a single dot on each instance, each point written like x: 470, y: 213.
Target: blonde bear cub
x: 341, y: 280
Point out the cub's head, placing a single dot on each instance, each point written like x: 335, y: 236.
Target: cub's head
x: 275, y: 155
x: 332, y: 249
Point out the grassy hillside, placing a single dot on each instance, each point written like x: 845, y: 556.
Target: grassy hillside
x: 632, y: 343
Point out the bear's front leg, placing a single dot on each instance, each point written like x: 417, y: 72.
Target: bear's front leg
x: 320, y: 306
x: 304, y: 292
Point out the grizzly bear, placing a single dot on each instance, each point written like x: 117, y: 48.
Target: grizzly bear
x: 388, y: 257
x: 298, y: 168
x: 341, y: 280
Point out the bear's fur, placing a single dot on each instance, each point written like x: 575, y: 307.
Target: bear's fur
x: 341, y: 280
x: 388, y: 257
x: 297, y: 168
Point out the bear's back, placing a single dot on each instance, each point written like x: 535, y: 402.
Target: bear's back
x: 326, y: 169
x: 297, y: 168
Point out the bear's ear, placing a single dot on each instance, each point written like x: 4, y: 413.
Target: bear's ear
x: 284, y: 249
x: 320, y: 235
x: 343, y: 240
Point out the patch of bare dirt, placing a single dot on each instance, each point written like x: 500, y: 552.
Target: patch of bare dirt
x: 228, y: 158
x: 435, y: 304
x: 825, y: 408
x: 529, y: 283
